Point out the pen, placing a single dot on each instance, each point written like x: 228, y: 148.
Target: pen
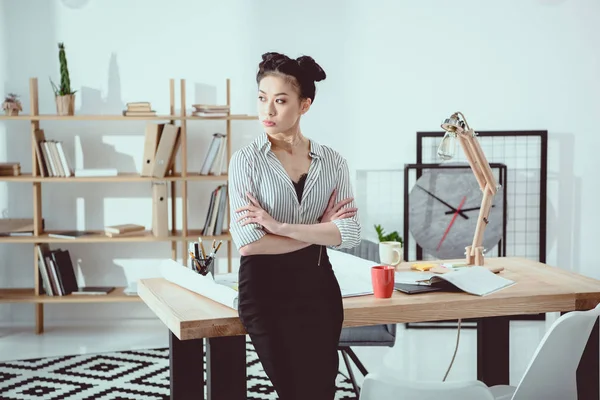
x: 197, y: 265
x: 203, y: 254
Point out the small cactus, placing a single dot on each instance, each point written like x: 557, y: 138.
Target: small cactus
x: 65, y: 81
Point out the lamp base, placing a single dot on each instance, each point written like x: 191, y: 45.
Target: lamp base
x: 474, y: 259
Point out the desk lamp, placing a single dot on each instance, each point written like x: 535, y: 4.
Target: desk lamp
x: 457, y: 127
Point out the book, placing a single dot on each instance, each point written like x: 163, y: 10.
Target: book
x: 93, y: 290
x: 475, y: 280
x: 123, y: 228
x: 69, y: 234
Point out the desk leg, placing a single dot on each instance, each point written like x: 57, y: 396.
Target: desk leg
x: 588, y: 371
x: 493, y: 350
x: 186, y: 369
x: 226, y: 368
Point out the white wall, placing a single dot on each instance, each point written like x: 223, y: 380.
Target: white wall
x: 394, y: 68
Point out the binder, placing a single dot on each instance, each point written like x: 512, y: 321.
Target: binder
x: 151, y: 141
x: 160, y: 211
x: 165, y: 151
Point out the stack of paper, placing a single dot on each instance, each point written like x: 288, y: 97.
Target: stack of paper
x: 203, y: 285
x: 353, y: 273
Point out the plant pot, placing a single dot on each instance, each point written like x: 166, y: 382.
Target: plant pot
x: 12, y: 112
x: 65, y: 105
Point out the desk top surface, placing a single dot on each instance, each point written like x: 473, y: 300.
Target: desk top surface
x: 539, y: 288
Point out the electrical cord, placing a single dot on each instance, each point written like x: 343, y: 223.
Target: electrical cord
x: 455, y: 350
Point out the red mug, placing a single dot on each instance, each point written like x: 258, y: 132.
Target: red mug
x: 382, y: 277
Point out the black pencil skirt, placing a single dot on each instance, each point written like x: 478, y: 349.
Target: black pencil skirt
x: 292, y: 310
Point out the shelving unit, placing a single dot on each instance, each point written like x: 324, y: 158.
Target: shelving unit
x: 179, y: 235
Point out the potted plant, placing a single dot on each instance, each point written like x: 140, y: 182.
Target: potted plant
x: 12, y: 104
x: 390, y: 237
x: 65, y: 97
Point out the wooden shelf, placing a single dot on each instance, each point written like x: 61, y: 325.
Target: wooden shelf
x: 121, y: 177
x: 100, y: 237
x: 116, y: 117
x: 177, y: 190
x: 28, y: 296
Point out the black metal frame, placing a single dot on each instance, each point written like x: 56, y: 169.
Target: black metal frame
x: 543, y: 135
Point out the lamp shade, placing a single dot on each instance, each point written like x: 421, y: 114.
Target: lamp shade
x: 453, y: 124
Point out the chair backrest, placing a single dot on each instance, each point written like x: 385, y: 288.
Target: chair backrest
x: 382, y: 387
x: 552, y: 372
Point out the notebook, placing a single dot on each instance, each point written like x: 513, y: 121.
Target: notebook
x: 475, y: 280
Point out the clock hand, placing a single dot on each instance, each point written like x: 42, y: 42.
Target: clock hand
x: 466, y: 209
x: 451, y: 222
x: 443, y: 202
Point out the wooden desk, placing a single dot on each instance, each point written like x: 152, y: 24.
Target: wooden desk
x: 192, y: 318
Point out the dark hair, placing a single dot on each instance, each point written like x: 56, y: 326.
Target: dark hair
x: 304, y: 69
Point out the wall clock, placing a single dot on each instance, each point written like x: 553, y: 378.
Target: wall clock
x: 443, y: 212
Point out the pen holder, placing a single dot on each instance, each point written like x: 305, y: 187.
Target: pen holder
x: 203, y: 266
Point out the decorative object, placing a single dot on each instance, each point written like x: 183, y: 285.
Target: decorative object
x: 132, y: 374
x: 12, y: 105
x: 65, y: 97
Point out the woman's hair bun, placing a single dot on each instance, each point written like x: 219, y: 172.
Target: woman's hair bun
x: 304, y: 70
x: 273, y: 60
x: 311, y: 69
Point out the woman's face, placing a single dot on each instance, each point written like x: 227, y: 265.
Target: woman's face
x: 279, y: 104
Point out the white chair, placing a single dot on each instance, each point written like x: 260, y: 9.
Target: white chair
x: 551, y: 374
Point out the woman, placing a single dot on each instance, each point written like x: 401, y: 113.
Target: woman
x: 286, y: 191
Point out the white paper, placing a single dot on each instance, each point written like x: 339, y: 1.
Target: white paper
x: 353, y: 273
x: 203, y: 285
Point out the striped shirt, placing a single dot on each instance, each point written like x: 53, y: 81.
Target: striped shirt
x: 257, y: 170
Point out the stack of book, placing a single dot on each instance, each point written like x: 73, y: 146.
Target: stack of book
x: 51, y: 156
x: 122, y: 230
x: 217, y: 208
x: 10, y: 169
x: 17, y: 226
x: 139, y: 109
x: 215, y: 161
x: 207, y: 110
x: 58, y: 275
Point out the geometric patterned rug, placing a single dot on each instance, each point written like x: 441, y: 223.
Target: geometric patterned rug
x: 135, y: 375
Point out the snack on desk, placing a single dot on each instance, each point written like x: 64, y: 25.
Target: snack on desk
x: 422, y: 266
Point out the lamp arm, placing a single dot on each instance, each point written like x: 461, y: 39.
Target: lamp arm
x: 487, y: 182
x: 478, y: 162
x: 464, y: 119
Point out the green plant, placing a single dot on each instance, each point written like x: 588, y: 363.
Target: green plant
x: 65, y: 81
x: 390, y: 237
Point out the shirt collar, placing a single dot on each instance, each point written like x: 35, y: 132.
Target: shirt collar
x: 263, y: 144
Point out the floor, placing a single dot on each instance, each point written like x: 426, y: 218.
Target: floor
x: 417, y: 354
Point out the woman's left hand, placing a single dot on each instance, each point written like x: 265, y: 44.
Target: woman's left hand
x: 257, y: 215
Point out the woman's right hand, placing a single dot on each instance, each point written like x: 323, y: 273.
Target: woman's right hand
x: 336, y: 211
